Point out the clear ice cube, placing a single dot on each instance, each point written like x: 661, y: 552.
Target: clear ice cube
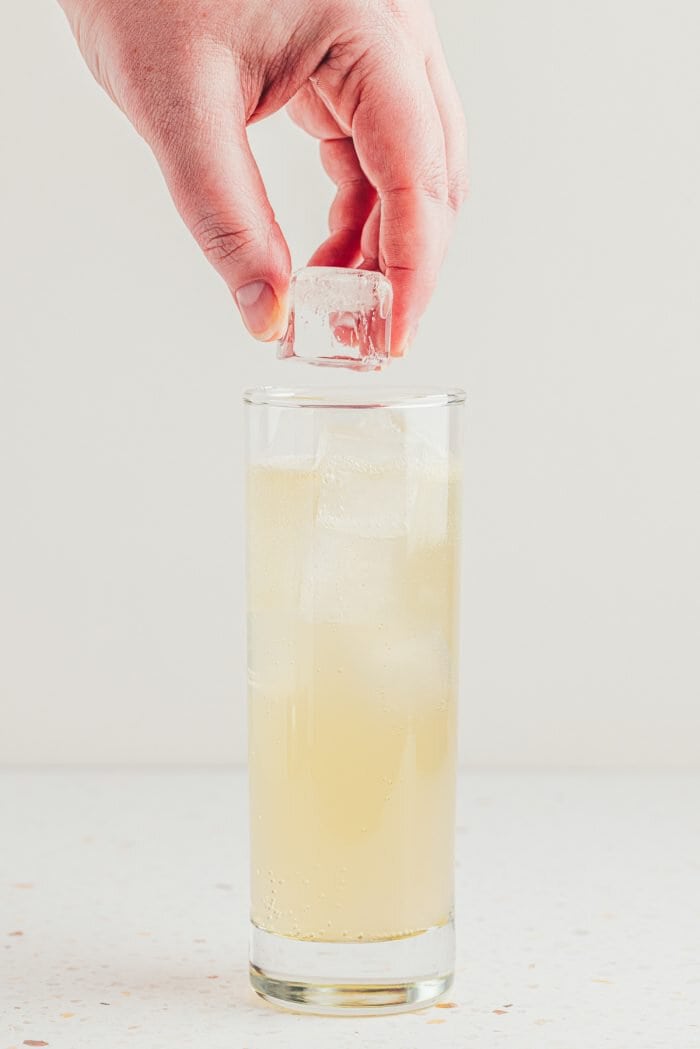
x: 366, y: 487
x: 380, y: 493
x: 348, y: 579
x: 339, y: 317
x: 406, y: 668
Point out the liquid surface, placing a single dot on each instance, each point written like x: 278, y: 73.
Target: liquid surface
x: 352, y: 665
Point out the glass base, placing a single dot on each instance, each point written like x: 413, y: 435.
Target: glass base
x: 353, y: 979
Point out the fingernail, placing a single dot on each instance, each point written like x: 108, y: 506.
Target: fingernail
x: 259, y: 308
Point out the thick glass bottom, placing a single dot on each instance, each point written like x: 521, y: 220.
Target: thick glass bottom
x: 352, y: 979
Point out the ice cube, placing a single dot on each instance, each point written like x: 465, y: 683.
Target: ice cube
x: 406, y: 666
x: 339, y: 317
x: 348, y: 579
x: 358, y: 499
x: 365, y: 486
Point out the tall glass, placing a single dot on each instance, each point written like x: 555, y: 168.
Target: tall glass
x: 353, y: 544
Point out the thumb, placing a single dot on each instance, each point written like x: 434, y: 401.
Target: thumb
x: 215, y: 183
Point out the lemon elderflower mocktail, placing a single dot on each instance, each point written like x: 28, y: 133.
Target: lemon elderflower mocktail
x: 353, y: 545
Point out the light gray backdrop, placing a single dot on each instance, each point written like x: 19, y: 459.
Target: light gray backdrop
x: 568, y: 309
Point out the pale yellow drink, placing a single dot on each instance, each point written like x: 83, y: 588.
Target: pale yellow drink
x: 352, y: 663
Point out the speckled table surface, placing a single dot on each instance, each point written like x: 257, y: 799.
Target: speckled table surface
x: 123, y: 916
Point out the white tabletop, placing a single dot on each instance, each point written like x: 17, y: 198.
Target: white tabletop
x: 123, y: 917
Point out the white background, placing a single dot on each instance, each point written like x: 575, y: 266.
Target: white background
x: 568, y: 310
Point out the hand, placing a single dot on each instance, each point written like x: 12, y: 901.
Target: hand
x: 366, y: 77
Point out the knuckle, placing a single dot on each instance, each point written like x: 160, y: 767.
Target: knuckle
x: 171, y: 116
x: 431, y: 186
x: 434, y: 185
x: 163, y: 80
x: 222, y: 240
x: 170, y: 105
x: 458, y: 188
x: 148, y: 97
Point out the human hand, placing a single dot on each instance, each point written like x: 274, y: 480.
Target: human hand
x: 366, y: 77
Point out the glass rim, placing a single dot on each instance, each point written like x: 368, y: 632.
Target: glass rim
x: 353, y: 397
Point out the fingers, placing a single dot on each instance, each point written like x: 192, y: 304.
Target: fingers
x: 355, y: 195
x: 408, y: 143
x: 399, y: 140
x: 204, y: 153
x: 350, y: 209
x: 312, y: 115
x: 369, y: 244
